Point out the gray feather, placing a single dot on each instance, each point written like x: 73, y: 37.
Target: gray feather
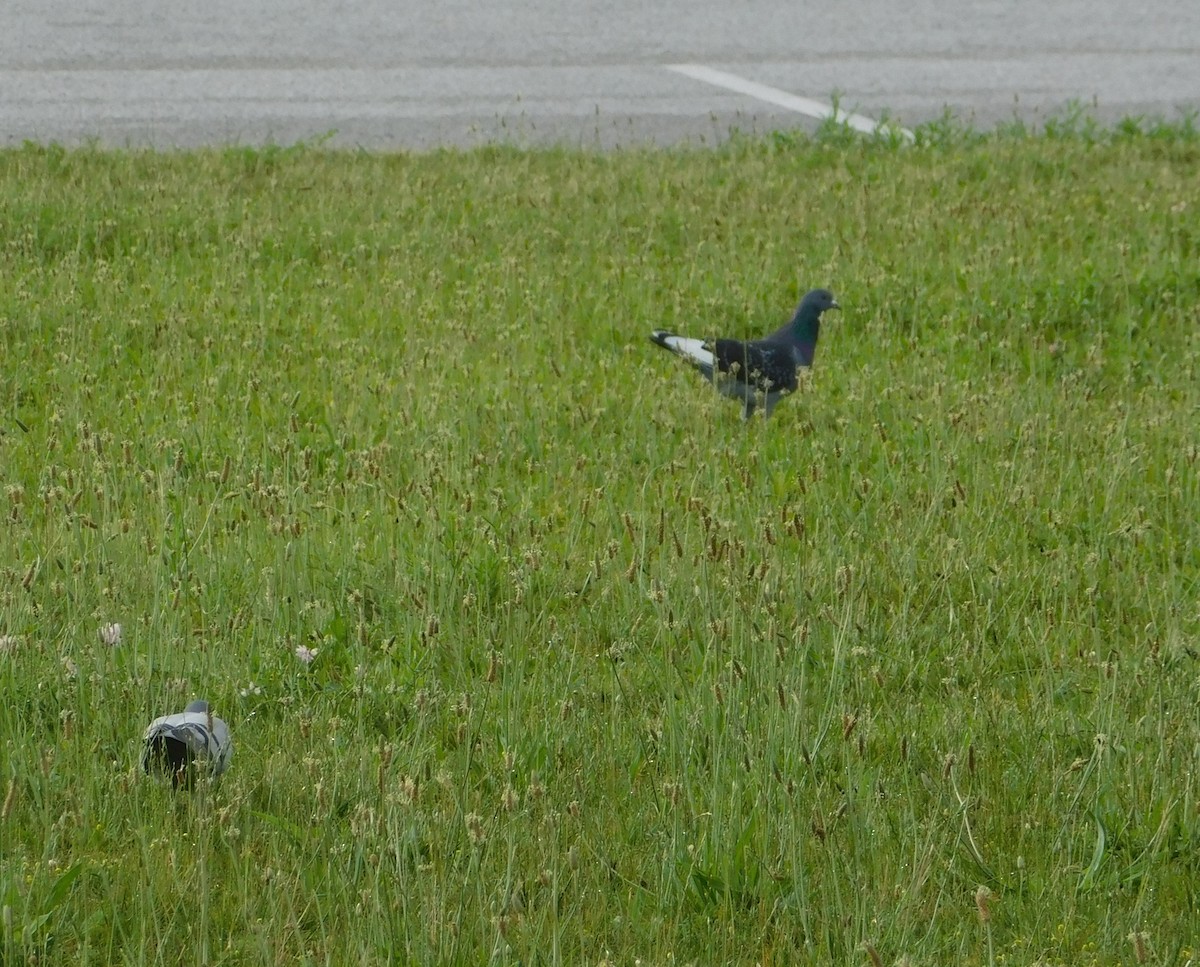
x: 173, y: 743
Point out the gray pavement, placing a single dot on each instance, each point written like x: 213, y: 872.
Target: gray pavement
x: 394, y: 75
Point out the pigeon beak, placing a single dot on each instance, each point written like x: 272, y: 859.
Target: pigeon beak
x: 833, y: 304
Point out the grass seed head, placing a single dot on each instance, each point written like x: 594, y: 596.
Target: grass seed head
x: 983, y: 898
x: 508, y: 799
x: 10, y: 799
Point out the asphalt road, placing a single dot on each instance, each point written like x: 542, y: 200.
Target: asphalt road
x: 383, y: 74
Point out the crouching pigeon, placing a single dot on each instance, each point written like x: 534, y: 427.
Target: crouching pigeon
x: 762, y: 371
x: 174, y: 742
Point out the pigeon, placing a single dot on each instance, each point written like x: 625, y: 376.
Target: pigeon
x: 174, y: 742
x: 762, y: 371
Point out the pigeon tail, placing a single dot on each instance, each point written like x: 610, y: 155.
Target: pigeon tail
x: 168, y: 755
x: 695, y: 351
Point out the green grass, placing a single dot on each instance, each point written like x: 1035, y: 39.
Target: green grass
x: 603, y: 673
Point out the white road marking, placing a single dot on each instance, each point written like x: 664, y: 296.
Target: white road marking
x: 773, y: 95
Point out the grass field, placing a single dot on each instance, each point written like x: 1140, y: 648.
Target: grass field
x: 907, y: 674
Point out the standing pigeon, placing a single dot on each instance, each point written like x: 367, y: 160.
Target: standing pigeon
x: 173, y: 742
x: 761, y: 371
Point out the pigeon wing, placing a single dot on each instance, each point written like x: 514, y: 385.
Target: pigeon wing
x: 765, y: 364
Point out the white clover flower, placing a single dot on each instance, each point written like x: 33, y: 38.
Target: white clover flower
x: 111, y: 634
x: 306, y: 654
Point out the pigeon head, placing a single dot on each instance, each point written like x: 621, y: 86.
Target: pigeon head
x: 199, y: 705
x: 817, y: 301
x: 804, y: 329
